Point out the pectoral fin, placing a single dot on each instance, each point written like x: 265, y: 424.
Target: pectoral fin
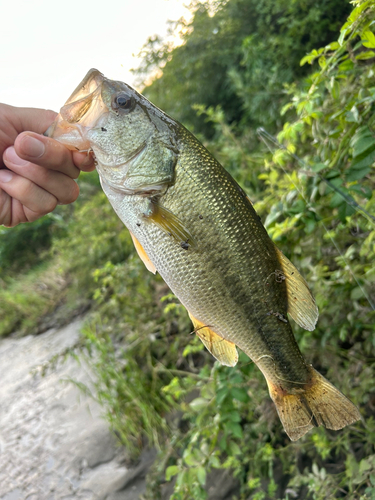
x: 221, y: 349
x: 301, y: 303
x: 142, y: 254
x: 171, y: 224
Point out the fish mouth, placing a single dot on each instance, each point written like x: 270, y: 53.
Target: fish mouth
x: 80, y: 113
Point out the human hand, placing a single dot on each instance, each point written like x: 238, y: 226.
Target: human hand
x: 36, y: 172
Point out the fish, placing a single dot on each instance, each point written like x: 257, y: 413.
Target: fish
x: 193, y: 224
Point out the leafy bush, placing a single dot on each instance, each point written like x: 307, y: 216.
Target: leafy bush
x: 239, y: 58
x: 156, y: 382
x: 228, y: 421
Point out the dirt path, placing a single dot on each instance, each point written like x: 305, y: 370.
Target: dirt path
x: 53, y: 443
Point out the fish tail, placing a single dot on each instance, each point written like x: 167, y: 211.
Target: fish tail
x: 316, y: 403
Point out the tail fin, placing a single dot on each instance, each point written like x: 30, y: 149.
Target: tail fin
x: 316, y: 403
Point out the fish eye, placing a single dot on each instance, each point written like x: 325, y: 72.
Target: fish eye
x: 123, y: 101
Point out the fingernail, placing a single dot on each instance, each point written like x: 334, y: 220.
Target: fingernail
x: 32, y: 147
x: 11, y: 155
x: 5, y: 176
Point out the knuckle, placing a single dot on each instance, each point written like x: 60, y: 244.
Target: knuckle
x: 45, y: 203
x: 70, y: 194
x: 49, y: 204
x: 50, y: 115
x: 74, y: 192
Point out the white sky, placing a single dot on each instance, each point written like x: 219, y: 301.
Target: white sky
x: 47, y: 46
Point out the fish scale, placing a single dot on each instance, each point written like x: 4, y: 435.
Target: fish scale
x: 193, y: 223
x: 196, y: 275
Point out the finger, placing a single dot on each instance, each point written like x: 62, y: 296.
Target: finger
x: 26, y: 192
x: 84, y: 161
x: 34, y: 119
x: 17, y: 213
x: 45, y: 152
x: 64, y: 188
x: 5, y: 208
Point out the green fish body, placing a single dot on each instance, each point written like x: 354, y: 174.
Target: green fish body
x: 191, y: 222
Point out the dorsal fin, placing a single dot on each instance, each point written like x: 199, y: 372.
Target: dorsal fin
x: 221, y: 349
x: 142, y: 254
x: 301, y: 303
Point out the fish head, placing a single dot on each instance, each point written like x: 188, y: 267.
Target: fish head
x: 118, y: 125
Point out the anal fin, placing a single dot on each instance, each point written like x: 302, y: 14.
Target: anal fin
x: 221, y: 349
x: 301, y: 303
x: 142, y: 254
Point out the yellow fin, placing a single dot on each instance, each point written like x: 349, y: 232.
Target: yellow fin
x: 316, y: 403
x: 142, y: 254
x: 221, y: 349
x: 172, y: 225
x: 301, y: 303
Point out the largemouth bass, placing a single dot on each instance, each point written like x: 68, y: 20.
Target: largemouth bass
x: 191, y: 222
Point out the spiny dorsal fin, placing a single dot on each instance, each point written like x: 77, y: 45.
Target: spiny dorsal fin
x: 172, y: 225
x: 301, y: 303
x: 142, y: 254
x: 221, y: 349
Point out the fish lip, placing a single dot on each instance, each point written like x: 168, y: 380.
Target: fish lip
x: 92, y: 76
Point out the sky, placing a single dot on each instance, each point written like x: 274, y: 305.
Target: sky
x: 48, y: 46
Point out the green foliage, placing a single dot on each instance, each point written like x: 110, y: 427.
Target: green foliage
x: 26, y: 244
x: 309, y: 207
x: 70, y: 247
x: 239, y: 58
x: 25, y: 300
x: 157, y: 384
x: 130, y: 380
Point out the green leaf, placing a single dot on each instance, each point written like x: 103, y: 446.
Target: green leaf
x: 180, y: 478
x: 317, y: 167
x: 171, y: 471
x: 322, y: 62
x: 368, y: 39
x: 336, y: 200
x: 357, y: 174
x: 365, y: 143
x: 307, y: 59
x: 221, y: 394
x: 344, y: 211
x: 234, y: 448
x: 215, y: 462
x: 346, y: 65
x: 240, y: 394
x: 333, y: 46
x: 369, y: 54
x: 335, y: 89
x: 189, y: 458
x: 198, y: 404
x: 362, y: 140
x: 342, y: 35
x: 352, y: 115
x: 234, y: 429
x: 364, y: 160
x: 201, y: 475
